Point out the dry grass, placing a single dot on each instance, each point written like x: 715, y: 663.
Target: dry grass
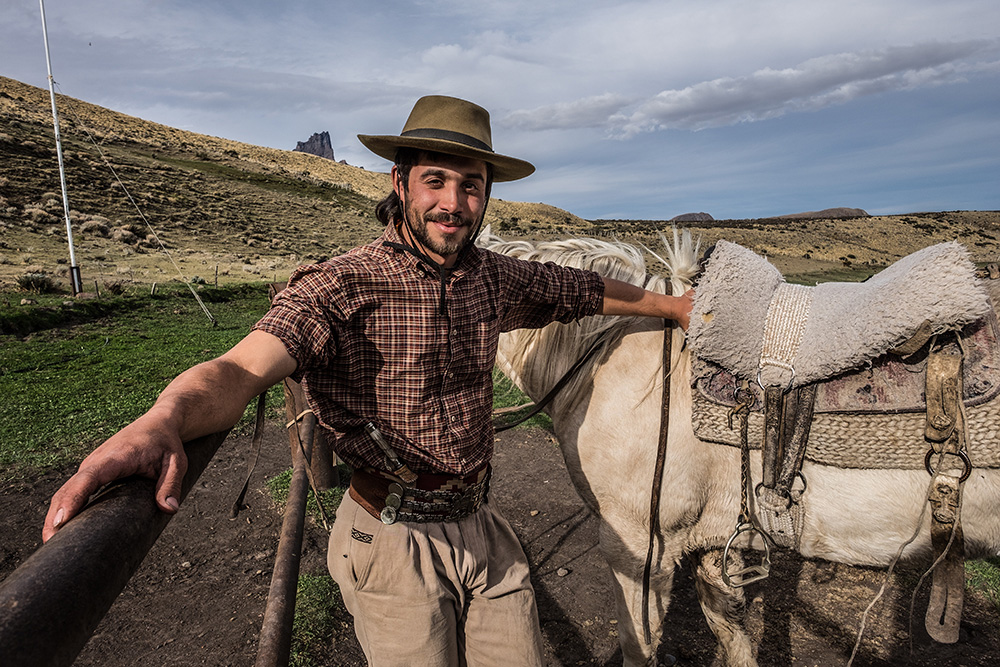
x: 230, y: 211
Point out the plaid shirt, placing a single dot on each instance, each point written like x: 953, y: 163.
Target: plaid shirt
x: 371, y: 344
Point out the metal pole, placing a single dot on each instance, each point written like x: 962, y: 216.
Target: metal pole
x: 74, y: 271
x: 52, y: 603
x: 274, y: 647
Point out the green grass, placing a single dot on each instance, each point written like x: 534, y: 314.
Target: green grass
x: 984, y: 576
x: 316, y: 599
x: 506, y: 395
x: 278, y: 487
x: 81, y: 373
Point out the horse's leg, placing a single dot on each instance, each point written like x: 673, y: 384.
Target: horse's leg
x: 724, y: 608
x: 627, y: 567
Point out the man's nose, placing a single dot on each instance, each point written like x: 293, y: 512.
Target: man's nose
x: 450, y: 198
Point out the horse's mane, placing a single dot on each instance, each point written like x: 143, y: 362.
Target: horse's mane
x: 612, y: 259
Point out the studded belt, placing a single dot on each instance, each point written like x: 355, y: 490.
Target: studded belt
x: 431, y: 498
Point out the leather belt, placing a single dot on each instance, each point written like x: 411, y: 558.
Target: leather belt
x: 430, y: 498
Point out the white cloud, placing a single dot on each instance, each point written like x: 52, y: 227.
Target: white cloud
x: 588, y: 112
x: 769, y: 93
x: 887, y: 84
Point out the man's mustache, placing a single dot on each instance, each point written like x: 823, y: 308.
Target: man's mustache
x: 450, y: 218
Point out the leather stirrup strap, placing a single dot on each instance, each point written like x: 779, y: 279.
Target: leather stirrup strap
x: 798, y: 419
x: 661, y: 456
x: 946, y: 431
x: 947, y: 598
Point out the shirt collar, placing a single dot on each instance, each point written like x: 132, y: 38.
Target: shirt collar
x: 470, y: 260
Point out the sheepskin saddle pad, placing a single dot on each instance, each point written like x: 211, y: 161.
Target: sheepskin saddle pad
x: 872, y: 416
x: 748, y: 320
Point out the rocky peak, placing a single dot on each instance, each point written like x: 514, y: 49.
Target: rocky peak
x: 318, y: 144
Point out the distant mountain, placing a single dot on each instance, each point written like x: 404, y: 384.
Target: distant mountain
x: 841, y: 212
x: 318, y: 144
x: 692, y: 217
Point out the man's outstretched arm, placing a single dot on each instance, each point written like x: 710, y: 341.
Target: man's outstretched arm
x: 621, y: 298
x: 205, y: 399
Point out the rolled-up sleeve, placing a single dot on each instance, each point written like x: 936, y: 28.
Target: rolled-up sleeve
x: 308, y: 331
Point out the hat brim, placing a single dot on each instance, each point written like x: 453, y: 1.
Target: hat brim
x: 504, y: 168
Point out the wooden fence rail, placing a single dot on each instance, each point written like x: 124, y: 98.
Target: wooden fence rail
x: 52, y: 603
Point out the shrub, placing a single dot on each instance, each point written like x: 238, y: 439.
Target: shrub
x: 39, y: 283
x: 114, y: 287
x: 125, y: 236
x: 38, y: 216
x: 95, y: 227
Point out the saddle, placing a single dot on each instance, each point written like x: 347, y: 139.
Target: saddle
x: 748, y: 320
x: 870, y: 405
x: 865, y: 380
x: 872, y: 417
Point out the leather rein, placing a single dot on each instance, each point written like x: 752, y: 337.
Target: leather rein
x: 661, y: 457
x: 500, y: 425
x: 661, y: 449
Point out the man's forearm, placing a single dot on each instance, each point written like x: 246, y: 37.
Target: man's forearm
x: 212, y: 396
x: 208, y: 398
x: 621, y: 298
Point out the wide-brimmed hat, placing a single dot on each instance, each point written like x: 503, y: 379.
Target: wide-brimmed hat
x: 451, y: 126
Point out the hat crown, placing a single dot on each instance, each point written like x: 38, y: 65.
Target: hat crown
x: 438, y: 116
x: 451, y: 126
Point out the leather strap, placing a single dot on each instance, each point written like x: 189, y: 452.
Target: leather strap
x: 500, y: 425
x: 946, y: 432
x: 661, y: 457
x: 258, y: 436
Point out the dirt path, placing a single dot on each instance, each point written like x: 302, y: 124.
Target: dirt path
x: 198, y: 598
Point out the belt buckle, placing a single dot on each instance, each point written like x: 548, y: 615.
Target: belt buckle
x: 461, y: 508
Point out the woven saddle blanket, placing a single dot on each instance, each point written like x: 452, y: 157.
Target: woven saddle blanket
x: 870, y: 412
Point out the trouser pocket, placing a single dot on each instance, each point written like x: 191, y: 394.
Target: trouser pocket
x: 353, y: 539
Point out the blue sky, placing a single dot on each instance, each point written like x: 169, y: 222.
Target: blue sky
x: 645, y: 109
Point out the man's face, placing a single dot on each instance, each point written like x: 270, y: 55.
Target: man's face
x: 444, y: 203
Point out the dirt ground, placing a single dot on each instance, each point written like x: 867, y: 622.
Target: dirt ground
x: 198, y: 598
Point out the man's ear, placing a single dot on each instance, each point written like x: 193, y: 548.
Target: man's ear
x: 397, y: 184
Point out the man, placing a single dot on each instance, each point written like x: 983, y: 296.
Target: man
x: 395, y: 344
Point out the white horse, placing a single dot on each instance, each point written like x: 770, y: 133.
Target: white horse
x: 607, y: 423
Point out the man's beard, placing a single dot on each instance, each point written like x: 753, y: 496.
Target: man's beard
x: 443, y: 247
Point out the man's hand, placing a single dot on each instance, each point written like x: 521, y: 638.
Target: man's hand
x: 682, y: 309
x: 148, y: 447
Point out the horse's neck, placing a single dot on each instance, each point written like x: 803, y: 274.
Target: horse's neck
x: 626, y: 376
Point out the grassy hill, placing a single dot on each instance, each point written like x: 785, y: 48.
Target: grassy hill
x: 254, y: 212
x: 243, y: 212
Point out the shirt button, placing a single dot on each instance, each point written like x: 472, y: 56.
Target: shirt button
x: 451, y: 375
x: 454, y: 419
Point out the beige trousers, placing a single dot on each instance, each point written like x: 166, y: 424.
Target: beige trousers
x: 436, y: 594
